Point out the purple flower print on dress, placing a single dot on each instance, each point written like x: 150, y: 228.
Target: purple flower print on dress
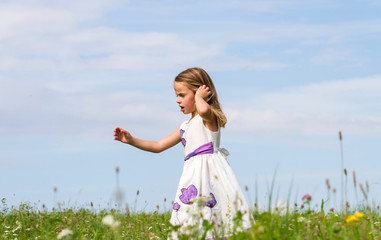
x: 183, y: 141
x: 176, y: 206
x: 212, y: 202
x: 187, y: 194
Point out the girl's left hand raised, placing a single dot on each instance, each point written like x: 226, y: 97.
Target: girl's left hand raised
x: 203, y: 92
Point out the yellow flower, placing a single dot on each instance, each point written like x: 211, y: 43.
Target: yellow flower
x: 359, y: 214
x: 351, y: 218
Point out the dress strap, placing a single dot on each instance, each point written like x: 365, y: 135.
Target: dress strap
x: 203, y: 149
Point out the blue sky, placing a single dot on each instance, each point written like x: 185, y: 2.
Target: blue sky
x: 290, y: 75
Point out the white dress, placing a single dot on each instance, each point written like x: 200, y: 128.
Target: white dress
x: 208, y: 188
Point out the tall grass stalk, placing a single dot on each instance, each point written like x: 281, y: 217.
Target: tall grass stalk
x: 270, y: 191
x: 342, y: 169
x: 355, y: 186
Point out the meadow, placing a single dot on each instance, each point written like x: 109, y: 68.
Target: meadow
x: 303, y: 219
x: 282, y: 221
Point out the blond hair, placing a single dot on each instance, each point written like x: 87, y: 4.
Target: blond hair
x: 195, y: 78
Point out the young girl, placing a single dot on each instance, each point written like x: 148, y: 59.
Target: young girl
x: 208, y: 188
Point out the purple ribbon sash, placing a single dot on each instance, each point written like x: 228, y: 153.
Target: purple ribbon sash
x: 204, y: 149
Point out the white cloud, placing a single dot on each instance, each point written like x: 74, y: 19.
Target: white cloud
x: 330, y: 57
x: 323, y: 108
x: 58, y: 38
x: 285, y: 123
x: 62, y: 37
x: 39, y: 108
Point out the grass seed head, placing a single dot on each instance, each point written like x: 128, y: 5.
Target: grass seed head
x: 363, y: 192
x: 127, y: 210
x: 327, y: 183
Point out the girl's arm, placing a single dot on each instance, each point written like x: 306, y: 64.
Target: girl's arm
x: 204, y: 109
x: 151, y: 146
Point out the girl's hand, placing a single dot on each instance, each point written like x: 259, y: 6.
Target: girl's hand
x: 122, y: 135
x: 203, y: 92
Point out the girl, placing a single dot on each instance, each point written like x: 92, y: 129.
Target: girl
x: 208, y: 188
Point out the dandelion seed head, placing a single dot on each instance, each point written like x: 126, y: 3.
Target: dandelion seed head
x: 64, y: 233
x: 109, y: 221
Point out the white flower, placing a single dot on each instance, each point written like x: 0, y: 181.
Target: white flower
x: 301, y: 219
x: 109, y: 221
x: 65, y: 232
x: 281, y: 207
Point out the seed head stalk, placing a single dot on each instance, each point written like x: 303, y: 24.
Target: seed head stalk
x: 355, y: 186
x: 342, y: 169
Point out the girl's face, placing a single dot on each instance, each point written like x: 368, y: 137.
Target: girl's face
x: 185, y: 98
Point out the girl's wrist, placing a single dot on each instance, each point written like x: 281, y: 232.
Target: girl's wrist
x: 198, y: 96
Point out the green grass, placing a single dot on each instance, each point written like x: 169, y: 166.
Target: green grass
x: 28, y: 223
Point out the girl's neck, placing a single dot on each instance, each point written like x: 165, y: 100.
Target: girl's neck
x: 193, y: 116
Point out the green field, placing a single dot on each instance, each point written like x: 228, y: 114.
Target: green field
x: 299, y: 222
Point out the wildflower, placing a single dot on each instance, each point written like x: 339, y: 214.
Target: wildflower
x: 109, y: 221
x: 307, y: 197
x: 302, y: 206
x: 351, y: 218
x: 65, y: 232
x: 359, y: 214
x: 280, y: 207
x: 331, y: 209
x: 301, y: 219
